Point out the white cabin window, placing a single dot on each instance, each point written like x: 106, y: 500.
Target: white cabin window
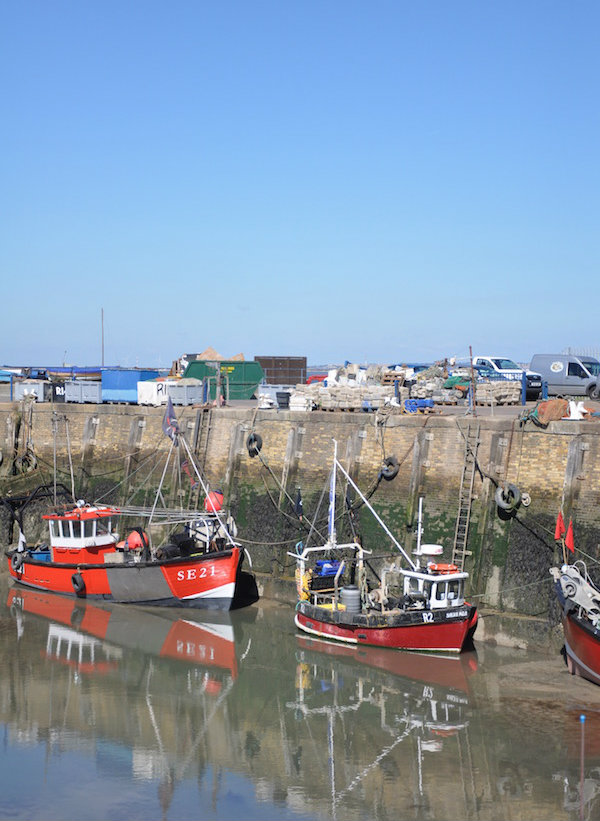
x: 89, y: 528
x: 52, y: 530
x: 77, y: 529
x: 455, y: 590
x: 65, y: 529
x: 104, y: 526
x: 441, y: 591
x: 413, y: 585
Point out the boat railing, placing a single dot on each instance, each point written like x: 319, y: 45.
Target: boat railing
x: 306, y: 581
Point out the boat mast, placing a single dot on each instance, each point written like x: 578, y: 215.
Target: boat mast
x: 377, y: 517
x: 331, y: 519
x: 205, y: 489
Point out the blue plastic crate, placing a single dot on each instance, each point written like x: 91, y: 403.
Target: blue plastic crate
x: 326, y: 567
x: 40, y: 555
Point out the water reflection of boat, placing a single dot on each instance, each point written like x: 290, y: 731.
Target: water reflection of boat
x: 144, y: 689
x: 449, y: 671
x: 90, y: 636
x: 420, y: 713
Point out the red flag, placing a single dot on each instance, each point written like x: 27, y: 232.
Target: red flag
x: 569, y: 537
x: 559, y: 531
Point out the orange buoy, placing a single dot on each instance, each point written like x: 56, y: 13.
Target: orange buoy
x: 137, y: 539
x: 214, y: 501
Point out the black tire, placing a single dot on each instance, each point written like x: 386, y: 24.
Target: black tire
x: 78, y: 584
x: 390, y: 468
x: 505, y: 515
x: 16, y: 561
x: 168, y: 551
x: 508, y: 497
x: 254, y: 444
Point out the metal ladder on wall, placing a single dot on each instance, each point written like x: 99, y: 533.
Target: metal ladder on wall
x: 465, y: 495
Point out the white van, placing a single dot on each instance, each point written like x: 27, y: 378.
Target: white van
x: 568, y: 375
x: 507, y: 369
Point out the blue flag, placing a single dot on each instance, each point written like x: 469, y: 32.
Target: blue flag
x: 169, y: 425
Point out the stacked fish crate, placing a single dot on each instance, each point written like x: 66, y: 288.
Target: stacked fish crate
x: 343, y: 397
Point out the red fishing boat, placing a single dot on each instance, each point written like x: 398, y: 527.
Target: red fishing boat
x: 579, y: 599
x: 406, y: 605
x: 174, y: 557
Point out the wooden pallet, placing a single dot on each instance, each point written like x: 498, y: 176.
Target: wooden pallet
x: 391, y: 379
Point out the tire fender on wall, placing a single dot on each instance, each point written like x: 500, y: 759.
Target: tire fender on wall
x: 508, y: 496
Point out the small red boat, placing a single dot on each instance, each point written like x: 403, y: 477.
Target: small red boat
x: 579, y: 599
x: 85, y: 559
x: 196, y: 564
x: 405, y: 605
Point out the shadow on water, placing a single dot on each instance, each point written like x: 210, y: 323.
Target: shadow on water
x: 122, y: 712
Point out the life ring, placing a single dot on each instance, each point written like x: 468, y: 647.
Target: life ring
x: 78, y: 584
x: 437, y: 567
x: 508, y: 497
x: 390, y: 468
x: 254, y: 444
x: 16, y: 561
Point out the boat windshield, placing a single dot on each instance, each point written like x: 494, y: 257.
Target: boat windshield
x: 450, y: 590
x: 104, y: 526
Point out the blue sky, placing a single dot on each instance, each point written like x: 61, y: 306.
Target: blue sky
x: 367, y: 181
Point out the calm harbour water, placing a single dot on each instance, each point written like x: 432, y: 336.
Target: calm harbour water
x: 124, y: 713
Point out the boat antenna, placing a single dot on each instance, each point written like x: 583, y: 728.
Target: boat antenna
x: 419, y: 525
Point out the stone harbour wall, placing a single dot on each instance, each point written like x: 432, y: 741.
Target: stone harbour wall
x: 509, y: 559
